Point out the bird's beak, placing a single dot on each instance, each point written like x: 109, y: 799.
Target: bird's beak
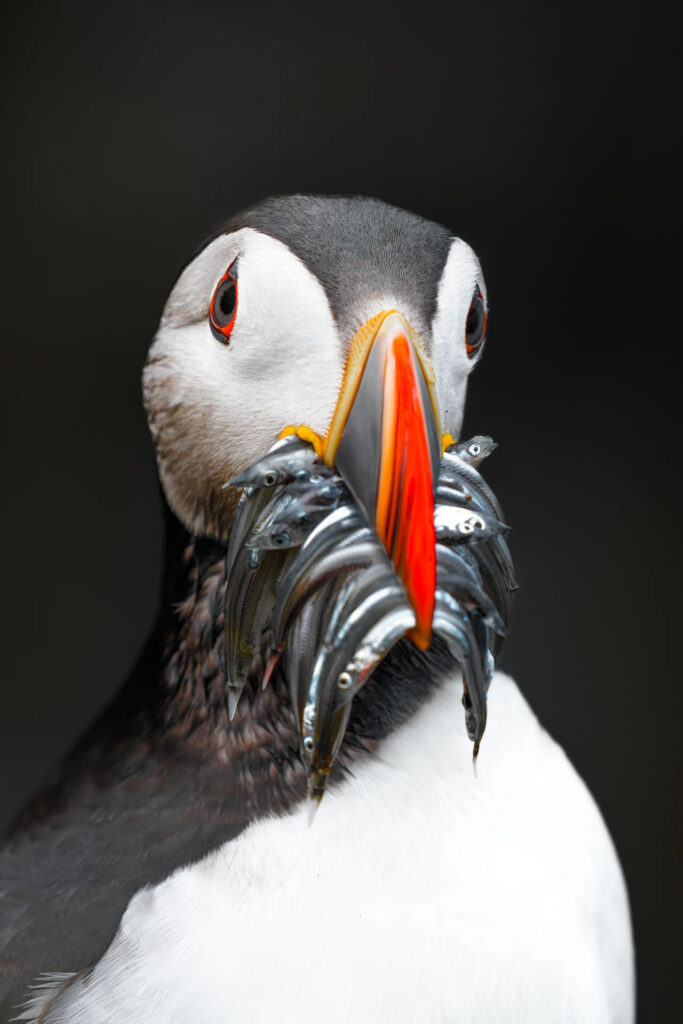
x: 385, y: 441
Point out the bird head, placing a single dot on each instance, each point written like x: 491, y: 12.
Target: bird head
x: 258, y: 329
x: 349, y: 323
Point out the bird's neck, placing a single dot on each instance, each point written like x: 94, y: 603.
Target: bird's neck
x: 188, y: 704
x: 168, y: 738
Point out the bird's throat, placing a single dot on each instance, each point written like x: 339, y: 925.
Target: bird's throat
x: 261, y: 743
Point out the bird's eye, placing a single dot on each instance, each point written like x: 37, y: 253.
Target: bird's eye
x: 223, y: 308
x: 475, y: 328
x: 474, y: 449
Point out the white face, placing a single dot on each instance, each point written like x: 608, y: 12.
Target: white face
x: 452, y: 363
x: 214, y: 407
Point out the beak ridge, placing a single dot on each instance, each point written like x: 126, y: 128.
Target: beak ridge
x: 389, y: 453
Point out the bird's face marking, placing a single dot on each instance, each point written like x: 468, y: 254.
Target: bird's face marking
x: 461, y: 297
x: 214, y: 408
x: 248, y: 343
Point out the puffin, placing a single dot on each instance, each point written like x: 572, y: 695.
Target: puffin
x: 172, y: 869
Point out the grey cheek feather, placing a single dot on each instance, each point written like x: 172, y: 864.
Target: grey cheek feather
x: 326, y: 612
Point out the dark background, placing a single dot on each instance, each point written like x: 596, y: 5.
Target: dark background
x: 543, y: 135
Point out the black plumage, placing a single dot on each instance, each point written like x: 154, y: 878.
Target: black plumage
x: 163, y: 777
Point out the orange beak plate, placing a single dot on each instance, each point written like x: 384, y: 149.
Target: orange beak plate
x: 385, y: 441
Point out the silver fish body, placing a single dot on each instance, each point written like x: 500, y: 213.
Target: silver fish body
x: 459, y: 525
x: 312, y: 590
x: 288, y: 460
x: 476, y: 449
x: 337, y: 528
x: 373, y: 648
x: 323, y: 716
x: 460, y: 469
x: 454, y: 626
x: 290, y: 531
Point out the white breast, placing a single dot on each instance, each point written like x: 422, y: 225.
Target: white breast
x: 420, y: 893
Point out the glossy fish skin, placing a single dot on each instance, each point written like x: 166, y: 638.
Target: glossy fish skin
x: 288, y: 532
x: 451, y: 494
x: 298, y: 514
x: 460, y: 525
x: 476, y: 449
x: 501, y: 553
x: 452, y: 527
x: 311, y: 586
x: 473, y: 564
x: 250, y: 508
x: 459, y: 469
x: 288, y: 460
x: 472, y: 598
x: 454, y: 626
x: 492, y: 581
x: 374, y: 646
x: 322, y: 716
x: 324, y: 495
x: 251, y: 610
x: 250, y: 592
x: 337, y: 529
x: 336, y: 563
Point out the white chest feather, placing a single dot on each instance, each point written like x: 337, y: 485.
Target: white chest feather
x: 420, y: 894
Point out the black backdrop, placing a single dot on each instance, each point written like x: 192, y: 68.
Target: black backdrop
x: 541, y: 133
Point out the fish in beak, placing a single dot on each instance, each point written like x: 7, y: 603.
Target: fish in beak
x: 343, y: 544
x: 385, y: 442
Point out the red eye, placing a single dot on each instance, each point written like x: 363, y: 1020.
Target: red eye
x: 223, y: 308
x: 475, y: 328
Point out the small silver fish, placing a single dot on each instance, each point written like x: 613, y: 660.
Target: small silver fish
x: 472, y: 598
x: 376, y: 644
x: 286, y: 532
x: 335, y: 530
x: 324, y: 495
x: 453, y: 494
x: 456, y: 524
x: 464, y: 474
x: 322, y: 717
x: 288, y: 460
x: 453, y: 625
x: 476, y: 449
x: 312, y: 593
x: 336, y: 563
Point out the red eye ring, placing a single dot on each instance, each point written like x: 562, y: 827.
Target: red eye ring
x: 223, y: 308
x: 475, y: 327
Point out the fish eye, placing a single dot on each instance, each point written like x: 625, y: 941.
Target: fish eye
x: 270, y: 478
x: 281, y: 540
x: 223, y: 308
x: 475, y: 327
x: 309, y: 744
x: 474, y: 449
x: 344, y: 681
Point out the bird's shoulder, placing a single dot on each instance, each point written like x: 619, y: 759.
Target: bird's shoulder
x: 85, y: 846
x: 420, y: 892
